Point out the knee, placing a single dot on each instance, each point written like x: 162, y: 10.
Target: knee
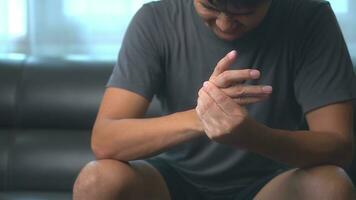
x: 328, y: 181
x: 102, y: 176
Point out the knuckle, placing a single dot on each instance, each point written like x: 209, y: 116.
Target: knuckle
x: 213, y: 80
x: 238, y: 112
x: 260, y: 89
x: 241, y: 91
x: 211, y: 135
x: 197, y: 110
x: 227, y: 127
x: 237, y: 100
x: 215, y: 135
x: 224, y: 78
x: 222, y: 98
x: 225, y: 74
x: 220, y: 132
x: 243, y: 101
x: 228, y: 92
x: 211, y: 132
x: 252, y: 100
x: 200, y: 92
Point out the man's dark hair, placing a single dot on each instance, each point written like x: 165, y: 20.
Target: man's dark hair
x: 228, y: 4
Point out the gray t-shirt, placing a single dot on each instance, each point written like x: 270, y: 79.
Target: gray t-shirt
x: 168, y: 51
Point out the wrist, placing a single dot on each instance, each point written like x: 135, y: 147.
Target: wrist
x: 194, y: 122
x: 199, y: 127
x: 251, y: 132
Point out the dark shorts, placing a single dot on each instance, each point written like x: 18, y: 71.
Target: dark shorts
x: 180, y: 189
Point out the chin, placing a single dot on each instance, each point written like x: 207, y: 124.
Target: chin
x: 228, y: 36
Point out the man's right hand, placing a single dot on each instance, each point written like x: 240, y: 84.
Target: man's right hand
x: 231, y: 82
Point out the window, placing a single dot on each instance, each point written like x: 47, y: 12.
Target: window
x: 340, y: 6
x: 13, y: 27
x: 77, y: 29
x: 94, y: 28
x: 344, y: 10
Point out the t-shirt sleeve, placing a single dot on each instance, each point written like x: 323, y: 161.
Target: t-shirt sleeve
x: 138, y: 68
x: 324, y: 73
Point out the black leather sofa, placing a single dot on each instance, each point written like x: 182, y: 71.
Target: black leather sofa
x: 47, y: 109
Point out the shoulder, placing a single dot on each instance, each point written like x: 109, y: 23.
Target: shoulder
x: 297, y: 17
x: 160, y: 16
x: 164, y: 16
x: 168, y: 9
x: 303, y: 11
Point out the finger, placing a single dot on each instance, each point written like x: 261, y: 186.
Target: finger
x: 225, y: 103
x: 249, y: 100
x: 212, y: 111
x: 248, y: 91
x: 199, y: 108
x: 204, y: 102
x: 200, y: 92
x: 232, y: 77
x: 224, y: 64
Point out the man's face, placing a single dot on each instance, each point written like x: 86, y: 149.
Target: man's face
x: 232, y: 24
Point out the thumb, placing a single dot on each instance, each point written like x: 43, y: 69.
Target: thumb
x: 224, y: 64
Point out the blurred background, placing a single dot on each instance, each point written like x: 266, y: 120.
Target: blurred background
x: 81, y: 29
x: 77, y: 29
x: 56, y: 57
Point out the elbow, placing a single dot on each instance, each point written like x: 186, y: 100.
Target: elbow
x: 102, y: 150
x: 102, y: 153
x: 103, y: 147
x: 99, y: 152
x: 99, y: 145
x: 99, y: 148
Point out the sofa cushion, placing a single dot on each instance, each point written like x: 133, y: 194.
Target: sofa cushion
x: 10, y: 76
x: 35, y: 195
x: 45, y: 159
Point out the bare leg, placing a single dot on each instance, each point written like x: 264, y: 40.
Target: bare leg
x: 115, y: 180
x: 317, y: 183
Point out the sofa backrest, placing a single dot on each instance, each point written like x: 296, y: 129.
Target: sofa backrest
x: 9, y: 78
x: 59, y: 94
x: 47, y: 110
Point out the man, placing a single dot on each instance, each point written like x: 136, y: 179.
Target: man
x: 235, y: 78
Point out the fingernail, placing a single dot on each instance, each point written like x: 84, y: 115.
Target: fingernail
x: 267, y: 89
x: 255, y: 73
x: 232, y: 54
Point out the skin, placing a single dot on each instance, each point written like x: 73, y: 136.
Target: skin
x: 231, y: 26
x: 121, y: 135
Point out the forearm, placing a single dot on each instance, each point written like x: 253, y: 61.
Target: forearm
x: 297, y: 148
x: 131, y: 139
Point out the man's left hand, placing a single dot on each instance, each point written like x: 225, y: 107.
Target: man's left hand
x: 221, y: 116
